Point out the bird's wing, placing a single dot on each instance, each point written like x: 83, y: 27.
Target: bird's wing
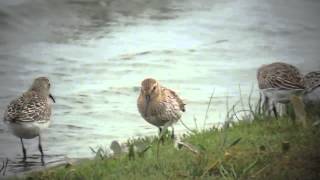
x: 284, y: 83
x: 29, y: 107
x: 281, y: 76
x: 173, y: 96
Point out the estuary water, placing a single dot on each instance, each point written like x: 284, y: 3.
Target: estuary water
x: 96, y: 53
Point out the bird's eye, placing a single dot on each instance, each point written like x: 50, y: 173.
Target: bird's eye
x: 49, y: 85
x: 154, y: 88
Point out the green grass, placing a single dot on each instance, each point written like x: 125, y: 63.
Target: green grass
x: 247, y: 150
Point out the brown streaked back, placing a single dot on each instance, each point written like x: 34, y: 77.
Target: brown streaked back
x: 280, y: 75
x: 178, y: 99
x: 31, y: 106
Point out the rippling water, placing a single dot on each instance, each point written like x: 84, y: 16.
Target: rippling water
x: 97, y: 52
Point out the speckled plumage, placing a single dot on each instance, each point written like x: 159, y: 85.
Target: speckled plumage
x: 279, y: 75
x: 165, y: 106
x: 277, y: 83
x: 30, y: 107
x: 312, y: 79
x: 29, y: 113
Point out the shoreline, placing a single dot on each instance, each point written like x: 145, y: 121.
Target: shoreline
x: 246, y: 150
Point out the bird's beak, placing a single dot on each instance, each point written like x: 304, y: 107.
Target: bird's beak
x: 148, y: 98
x: 51, y: 97
x: 147, y: 104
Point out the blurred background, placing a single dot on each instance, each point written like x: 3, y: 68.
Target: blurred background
x: 96, y: 53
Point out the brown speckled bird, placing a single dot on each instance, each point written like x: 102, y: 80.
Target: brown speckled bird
x: 158, y: 105
x: 28, y: 114
x: 277, y: 82
x: 280, y: 75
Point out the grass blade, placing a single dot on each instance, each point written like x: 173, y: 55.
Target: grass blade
x: 207, y: 111
x: 247, y: 169
x: 235, y: 142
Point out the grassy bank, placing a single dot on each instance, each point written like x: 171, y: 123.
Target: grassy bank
x: 262, y: 149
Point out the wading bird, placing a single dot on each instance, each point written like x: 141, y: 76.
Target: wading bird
x: 277, y: 83
x: 159, y: 106
x: 27, y: 115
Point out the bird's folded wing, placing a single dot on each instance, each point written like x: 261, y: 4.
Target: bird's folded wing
x: 278, y: 82
x: 29, y: 107
x: 173, y: 95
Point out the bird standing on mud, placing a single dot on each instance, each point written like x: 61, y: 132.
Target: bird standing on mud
x: 27, y: 115
x: 159, y: 106
x: 277, y: 82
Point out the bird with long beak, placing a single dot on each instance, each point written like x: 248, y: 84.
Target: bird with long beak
x: 159, y: 106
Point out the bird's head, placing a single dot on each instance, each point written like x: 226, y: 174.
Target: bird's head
x: 42, y: 86
x: 150, y: 89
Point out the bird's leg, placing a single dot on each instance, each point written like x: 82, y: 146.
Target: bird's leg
x: 271, y: 104
x: 287, y: 109
x: 23, y: 150
x: 161, y: 137
x: 265, y: 105
x: 160, y: 130
x: 164, y: 129
x: 274, y: 110
x: 172, y: 135
x: 40, y: 149
x: 260, y: 102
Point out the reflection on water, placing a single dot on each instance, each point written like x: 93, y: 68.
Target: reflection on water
x: 18, y: 165
x: 97, y: 52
